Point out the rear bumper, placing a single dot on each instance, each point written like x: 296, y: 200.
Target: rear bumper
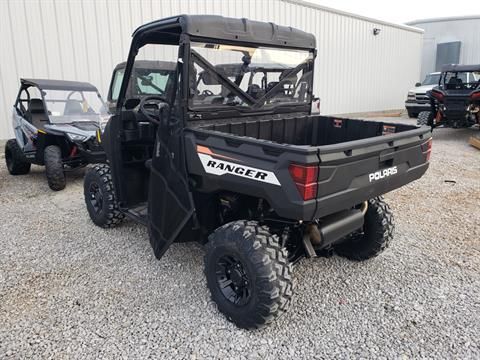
x: 347, y: 183
x: 356, y: 195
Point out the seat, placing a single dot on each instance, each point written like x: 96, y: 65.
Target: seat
x: 36, y: 113
x: 271, y: 84
x: 454, y: 83
x: 255, y: 91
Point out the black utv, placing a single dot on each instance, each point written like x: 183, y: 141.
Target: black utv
x: 232, y: 158
x: 455, y: 102
x: 57, y: 124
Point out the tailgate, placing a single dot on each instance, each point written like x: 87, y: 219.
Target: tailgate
x: 355, y: 171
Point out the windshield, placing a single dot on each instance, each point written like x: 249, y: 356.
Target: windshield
x: 431, y: 79
x: 151, y: 82
x: 461, y: 80
x: 144, y: 82
x: 67, y: 106
x: 248, y: 77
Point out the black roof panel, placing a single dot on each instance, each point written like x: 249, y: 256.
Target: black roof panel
x: 225, y: 29
x: 48, y: 84
x: 455, y: 67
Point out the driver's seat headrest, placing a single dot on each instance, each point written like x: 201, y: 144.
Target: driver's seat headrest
x: 35, y: 106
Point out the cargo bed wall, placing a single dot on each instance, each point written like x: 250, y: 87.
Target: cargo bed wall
x: 307, y: 130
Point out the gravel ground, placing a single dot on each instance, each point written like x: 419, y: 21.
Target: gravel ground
x: 71, y: 290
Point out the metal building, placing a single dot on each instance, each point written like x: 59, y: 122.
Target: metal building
x: 452, y: 40
x: 362, y: 64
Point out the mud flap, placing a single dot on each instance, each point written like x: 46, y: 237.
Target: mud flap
x: 170, y: 204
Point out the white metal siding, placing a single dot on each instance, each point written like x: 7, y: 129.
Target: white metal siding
x: 84, y: 39
x: 467, y: 31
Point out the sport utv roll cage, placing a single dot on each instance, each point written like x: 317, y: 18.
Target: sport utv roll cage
x: 456, y: 83
x: 47, y: 84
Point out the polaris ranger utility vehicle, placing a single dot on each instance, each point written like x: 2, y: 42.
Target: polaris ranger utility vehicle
x: 232, y: 158
x: 57, y: 124
x: 455, y: 102
x: 149, y: 78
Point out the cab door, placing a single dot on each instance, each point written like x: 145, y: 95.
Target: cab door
x: 170, y: 204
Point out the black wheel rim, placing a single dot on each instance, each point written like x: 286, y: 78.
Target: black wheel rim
x: 96, y: 197
x: 233, y: 280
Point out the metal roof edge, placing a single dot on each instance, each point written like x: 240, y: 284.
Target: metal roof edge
x: 355, y: 16
x: 442, y: 19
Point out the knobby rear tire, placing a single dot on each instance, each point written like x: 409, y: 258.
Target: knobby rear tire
x: 266, y: 265
x: 376, y: 236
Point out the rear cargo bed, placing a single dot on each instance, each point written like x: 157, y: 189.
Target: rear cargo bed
x: 307, y: 130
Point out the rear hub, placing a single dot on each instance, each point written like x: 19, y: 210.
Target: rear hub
x: 233, y: 280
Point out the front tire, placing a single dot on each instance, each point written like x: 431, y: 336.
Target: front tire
x: 54, y: 168
x: 377, y: 233
x: 425, y: 118
x: 248, y: 274
x: 17, y: 164
x: 100, y: 197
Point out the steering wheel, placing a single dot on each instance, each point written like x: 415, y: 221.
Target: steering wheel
x: 152, y: 115
x: 207, y: 92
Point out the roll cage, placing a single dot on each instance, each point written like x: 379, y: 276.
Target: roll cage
x: 223, y: 73
x: 460, y: 77
x: 184, y: 29
x: 43, y: 85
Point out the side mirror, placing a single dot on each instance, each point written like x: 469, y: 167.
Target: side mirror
x: 418, y: 84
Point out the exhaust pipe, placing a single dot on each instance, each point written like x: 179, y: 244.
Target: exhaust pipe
x: 335, y: 227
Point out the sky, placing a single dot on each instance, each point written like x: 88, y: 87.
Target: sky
x: 401, y: 11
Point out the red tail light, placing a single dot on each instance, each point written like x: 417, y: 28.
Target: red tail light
x: 427, y: 148
x: 475, y: 96
x: 437, y: 95
x: 305, y: 177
